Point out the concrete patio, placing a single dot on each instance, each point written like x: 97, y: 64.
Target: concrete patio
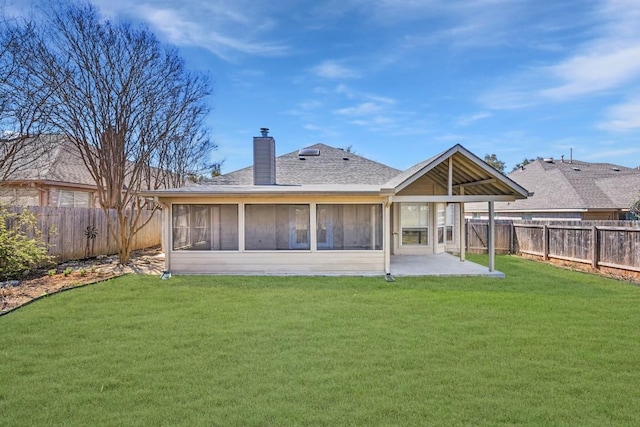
x: 443, y: 264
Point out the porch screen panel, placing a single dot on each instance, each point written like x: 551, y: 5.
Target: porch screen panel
x: 205, y: 227
x: 277, y: 227
x: 349, y: 227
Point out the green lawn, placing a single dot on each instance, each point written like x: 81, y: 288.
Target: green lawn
x: 545, y: 346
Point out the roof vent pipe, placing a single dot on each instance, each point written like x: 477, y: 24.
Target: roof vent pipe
x: 264, y: 132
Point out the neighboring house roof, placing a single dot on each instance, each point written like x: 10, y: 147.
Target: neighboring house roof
x: 62, y: 164
x: 332, y: 166
x: 574, y: 185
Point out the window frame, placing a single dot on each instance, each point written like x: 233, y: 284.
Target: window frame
x: 293, y: 227
x: 209, y: 227
x: 376, y: 227
x: 426, y: 228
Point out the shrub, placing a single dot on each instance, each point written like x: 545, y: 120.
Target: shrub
x: 18, y: 252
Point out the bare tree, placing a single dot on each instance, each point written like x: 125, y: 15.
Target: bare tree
x: 22, y: 118
x: 128, y: 103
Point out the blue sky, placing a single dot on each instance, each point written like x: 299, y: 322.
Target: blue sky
x: 402, y: 80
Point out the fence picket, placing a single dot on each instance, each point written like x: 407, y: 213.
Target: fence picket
x: 599, y: 243
x: 68, y: 231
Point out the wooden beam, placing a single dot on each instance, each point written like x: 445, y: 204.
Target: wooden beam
x: 450, y: 178
x: 472, y: 183
x: 455, y: 199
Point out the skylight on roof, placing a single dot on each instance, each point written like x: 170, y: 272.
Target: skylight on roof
x: 309, y: 152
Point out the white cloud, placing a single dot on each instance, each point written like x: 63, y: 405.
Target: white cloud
x: 334, y: 70
x: 623, y: 117
x: 595, y: 71
x: 609, y: 60
x: 362, y: 109
x: 607, y: 155
x: 467, y: 120
x: 604, y: 61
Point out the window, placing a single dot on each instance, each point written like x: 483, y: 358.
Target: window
x: 19, y: 197
x: 414, y: 221
x: 450, y: 219
x: 349, y: 227
x: 74, y: 199
x: 441, y: 220
x: 205, y: 227
x: 277, y: 227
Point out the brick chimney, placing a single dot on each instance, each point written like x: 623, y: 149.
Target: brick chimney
x: 264, y: 159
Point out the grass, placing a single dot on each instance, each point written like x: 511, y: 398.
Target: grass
x: 545, y: 346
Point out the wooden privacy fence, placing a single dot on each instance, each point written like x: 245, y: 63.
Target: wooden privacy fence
x: 77, y: 233
x: 611, y: 244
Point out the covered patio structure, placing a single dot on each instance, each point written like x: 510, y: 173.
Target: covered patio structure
x: 425, y: 211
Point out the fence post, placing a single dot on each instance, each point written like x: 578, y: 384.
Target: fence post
x: 595, y: 247
x: 511, y: 243
x: 545, y: 242
x: 467, y: 226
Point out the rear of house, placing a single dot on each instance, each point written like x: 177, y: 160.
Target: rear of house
x: 323, y: 210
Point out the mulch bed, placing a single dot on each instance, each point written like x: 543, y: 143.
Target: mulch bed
x: 69, y: 275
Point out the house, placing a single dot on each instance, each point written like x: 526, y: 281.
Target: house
x: 55, y: 175
x: 323, y: 210
x: 57, y: 179
x: 568, y: 190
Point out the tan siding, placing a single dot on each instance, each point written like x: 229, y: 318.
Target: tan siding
x: 598, y: 216
x: 424, y: 186
x: 302, y: 263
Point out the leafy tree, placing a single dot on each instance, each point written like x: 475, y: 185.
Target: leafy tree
x: 493, y: 161
x: 128, y: 104
x: 216, y: 168
x: 19, y: 252
x: 523, y: 163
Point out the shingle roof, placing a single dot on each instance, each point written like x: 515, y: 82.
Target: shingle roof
x: 336, y: 171
x: 332, y: 166
x: 62, y: 164
x: 577, y: 185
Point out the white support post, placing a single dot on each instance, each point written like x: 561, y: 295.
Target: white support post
x: 450, y: 181
x: 492, y: 238
x: 386, y: 237
x: 313, y: 227
x: 463, y: 235
x: 167, y: 234
x: 241, y: 227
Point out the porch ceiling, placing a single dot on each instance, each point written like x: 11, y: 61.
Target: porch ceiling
x: 462, y: 170
x: 468, y: 175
